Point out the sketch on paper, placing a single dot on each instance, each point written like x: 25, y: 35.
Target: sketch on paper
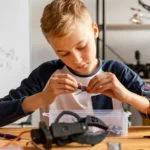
x: 7, y: 58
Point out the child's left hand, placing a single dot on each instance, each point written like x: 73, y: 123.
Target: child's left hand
x: 108, y: 84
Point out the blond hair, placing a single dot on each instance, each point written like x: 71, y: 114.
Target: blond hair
x: 59, y: 17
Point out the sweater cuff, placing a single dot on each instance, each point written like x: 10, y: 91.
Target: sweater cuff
x: 20, y: 109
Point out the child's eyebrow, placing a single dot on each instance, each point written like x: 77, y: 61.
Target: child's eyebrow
x: 80, y: 42
x: 75, y: 44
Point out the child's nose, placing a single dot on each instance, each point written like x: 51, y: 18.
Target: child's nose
x: 76, y: 58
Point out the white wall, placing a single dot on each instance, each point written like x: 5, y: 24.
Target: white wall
x: 14, y: 44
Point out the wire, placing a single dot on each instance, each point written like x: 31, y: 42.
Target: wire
x: 144, y: 5
x: 35, y: 145
x: 14, y: 141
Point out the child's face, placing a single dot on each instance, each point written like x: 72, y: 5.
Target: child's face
x: 78, y: 50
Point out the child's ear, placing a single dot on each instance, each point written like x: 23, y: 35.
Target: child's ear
x: 95, y: 29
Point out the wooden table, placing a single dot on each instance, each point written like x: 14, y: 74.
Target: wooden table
x: 147, y: 81
x: 134, y: 140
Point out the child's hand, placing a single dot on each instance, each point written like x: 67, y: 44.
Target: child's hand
x: 61, y: 84
x: 56, y: 85
x: 109, y: 85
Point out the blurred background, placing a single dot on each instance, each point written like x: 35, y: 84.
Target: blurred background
x: 124, y: 36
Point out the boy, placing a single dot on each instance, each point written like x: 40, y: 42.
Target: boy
x: 68, y: 28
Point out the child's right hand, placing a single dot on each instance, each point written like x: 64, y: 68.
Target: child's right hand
x: 59, y: 84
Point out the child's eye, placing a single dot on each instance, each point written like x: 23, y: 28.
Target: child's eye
x: 63, y: 55
x: 82, y: 47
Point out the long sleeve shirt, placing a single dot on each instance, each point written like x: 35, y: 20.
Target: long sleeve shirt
x: 10, y: 106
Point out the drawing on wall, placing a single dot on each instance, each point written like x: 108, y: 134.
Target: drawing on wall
x: 7, y: 58
x: 14, y: 44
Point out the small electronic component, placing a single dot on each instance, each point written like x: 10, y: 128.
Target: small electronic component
x: 9, y: 136
x: 82, y: 88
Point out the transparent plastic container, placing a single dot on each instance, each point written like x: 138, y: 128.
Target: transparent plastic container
x: 118, y: 119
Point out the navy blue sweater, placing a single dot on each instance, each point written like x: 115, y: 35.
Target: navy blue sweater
x: 10, y: 106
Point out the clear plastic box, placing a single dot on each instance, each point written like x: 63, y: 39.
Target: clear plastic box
x: 113, y: 118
